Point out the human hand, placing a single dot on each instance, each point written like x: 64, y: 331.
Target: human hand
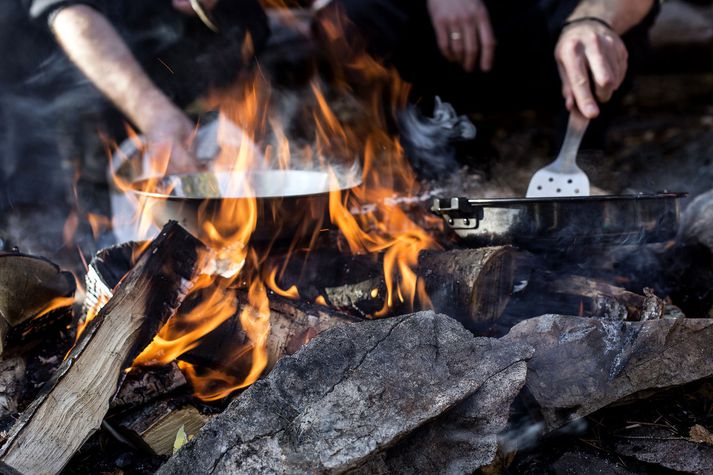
x: 464, y: 32
x: 168, y: 138
x: 586, y: 48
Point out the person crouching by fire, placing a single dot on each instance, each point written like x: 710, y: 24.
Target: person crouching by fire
x: 152, y: 58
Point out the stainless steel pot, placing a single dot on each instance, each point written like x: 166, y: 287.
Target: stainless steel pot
x: 290, y: 204
x: 560, y: 223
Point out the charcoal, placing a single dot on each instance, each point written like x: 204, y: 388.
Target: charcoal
x: 351, y: 393
x: 584, y: 364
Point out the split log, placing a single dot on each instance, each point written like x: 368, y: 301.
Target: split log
x: 29, y: 287
x: 156, y: 425
x: 348, y: 395
x: 292, y: 324
x: 473, y: 285
x: 583, y: 364
x: 72, y: 405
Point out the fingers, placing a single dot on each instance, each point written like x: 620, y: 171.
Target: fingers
x: 470, y: 42
x: 463, y: 32
x: 487, y: 39
x: 576, y: 74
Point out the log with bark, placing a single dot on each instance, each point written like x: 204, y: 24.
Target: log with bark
x: 73, y: 403
x: 292, y: 323
x: 473, y: 285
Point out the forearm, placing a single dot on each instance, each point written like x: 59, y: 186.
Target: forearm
x: 95, y: 47
x: 622, y: 15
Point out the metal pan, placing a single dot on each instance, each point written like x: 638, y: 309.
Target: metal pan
x: 562, y: 223
x: 290, y: 204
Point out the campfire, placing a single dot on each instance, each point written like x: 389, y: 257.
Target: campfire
x: 307, y: 303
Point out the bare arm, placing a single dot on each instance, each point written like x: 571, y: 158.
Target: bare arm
x: 589, y: 47
x: 93, y: 44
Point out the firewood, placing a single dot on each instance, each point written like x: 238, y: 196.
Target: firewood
x: 473, y: 285
x: 606, y: 300
x: 74, y: 402
x: 142, y: 385
x: 292, y: 325
x: 29, y: 287
x: 157, y: 424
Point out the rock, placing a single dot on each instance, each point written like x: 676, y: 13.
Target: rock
x: 656, y: 446
x: 582, y: 463
x: 466, y: 439
x: 581, y: 364
x: 351, y: 393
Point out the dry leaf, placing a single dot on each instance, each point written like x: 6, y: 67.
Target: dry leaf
x: 701, y: 435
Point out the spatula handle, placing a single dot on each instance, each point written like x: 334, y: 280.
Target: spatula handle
x: 576, y: 127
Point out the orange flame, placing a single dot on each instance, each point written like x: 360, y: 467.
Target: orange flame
x: 368, y: 217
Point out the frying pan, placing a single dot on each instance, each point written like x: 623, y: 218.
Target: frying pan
x: 290, y: 204
x: 561, y: 223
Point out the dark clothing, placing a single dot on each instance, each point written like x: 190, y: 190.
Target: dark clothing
x: 182, y: 55
x: 524, y: 73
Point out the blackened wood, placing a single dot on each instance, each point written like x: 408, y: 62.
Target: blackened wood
x: 292, y: 325
x: 473, y: 285
x: 72, y: 405
x: 142, y: 385
x: 28, y: 285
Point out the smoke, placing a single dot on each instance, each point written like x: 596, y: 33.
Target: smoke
x: 430, y: 141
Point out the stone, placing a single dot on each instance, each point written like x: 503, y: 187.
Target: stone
x: 351, y: 393
x: 584, y: 364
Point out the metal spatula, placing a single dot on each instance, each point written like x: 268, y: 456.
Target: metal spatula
x: 563, y: 177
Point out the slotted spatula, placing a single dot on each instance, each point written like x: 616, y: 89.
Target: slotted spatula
x: 563, y: 177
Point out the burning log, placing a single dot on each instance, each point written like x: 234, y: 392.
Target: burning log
x: 584, y: 364
x: 142, y: 385
x: 471, y: 284
x: 292, y: 325
x: 72, y: 405
x: 347, y: 396
x: 30, y: 287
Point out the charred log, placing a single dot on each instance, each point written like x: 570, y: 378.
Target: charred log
x: 72, y: 405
